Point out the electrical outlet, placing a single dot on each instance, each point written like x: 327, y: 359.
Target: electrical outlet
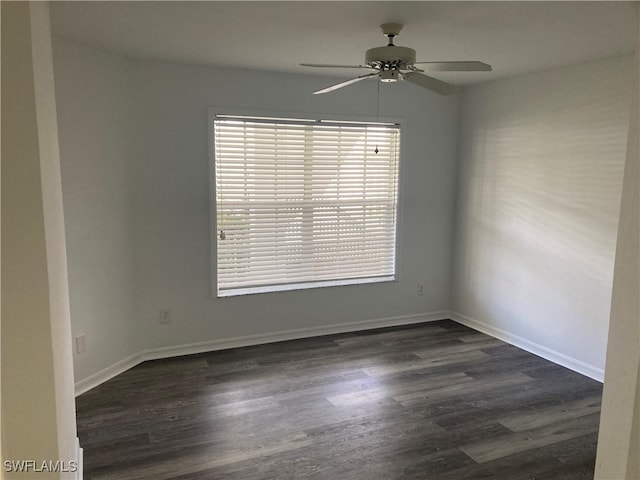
x: 81, y: 343
x: 420, y: 289
x: 165, y: 316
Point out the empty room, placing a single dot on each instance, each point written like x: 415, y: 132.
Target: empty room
x: 320, y: 240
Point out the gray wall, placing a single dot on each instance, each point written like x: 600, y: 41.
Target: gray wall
x: 172, y: 210
x: 96, y: 130
x: 134, y: 150
x: 540, y: 159
x: 541, y: 167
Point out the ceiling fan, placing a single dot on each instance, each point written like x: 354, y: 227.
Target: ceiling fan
x: 392, y: 63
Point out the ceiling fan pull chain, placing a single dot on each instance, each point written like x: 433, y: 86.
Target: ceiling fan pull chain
x: 377, y: 108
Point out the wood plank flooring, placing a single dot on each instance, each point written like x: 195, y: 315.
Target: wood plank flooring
x: 435, y: 401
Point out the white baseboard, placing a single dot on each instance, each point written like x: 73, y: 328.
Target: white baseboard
x: 105, y: 374
x: 532, y: 347
x: 125, y: 364
x: 235, y: 342
x: 108, y: 373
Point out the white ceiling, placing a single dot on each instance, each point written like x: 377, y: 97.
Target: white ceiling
x: 515, y: 37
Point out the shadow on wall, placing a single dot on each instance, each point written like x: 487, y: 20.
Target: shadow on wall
x: 542, y: 174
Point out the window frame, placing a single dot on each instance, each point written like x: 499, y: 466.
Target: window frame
x: 212, y: 113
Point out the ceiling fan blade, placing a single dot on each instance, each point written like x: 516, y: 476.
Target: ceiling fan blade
x: 458, y: 66
x: 344, y: 84
x: 430, y: 83
x: 323, y: 65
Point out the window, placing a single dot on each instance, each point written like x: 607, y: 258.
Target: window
x: 303, y: 203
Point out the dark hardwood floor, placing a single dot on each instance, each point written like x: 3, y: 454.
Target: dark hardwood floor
x: 432, y: 401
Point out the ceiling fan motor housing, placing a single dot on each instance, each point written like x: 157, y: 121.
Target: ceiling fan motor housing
x: 390, y: 57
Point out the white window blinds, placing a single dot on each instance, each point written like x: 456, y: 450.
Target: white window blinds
x: 301, y: 202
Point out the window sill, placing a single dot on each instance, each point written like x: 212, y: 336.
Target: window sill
x: 302, y: 286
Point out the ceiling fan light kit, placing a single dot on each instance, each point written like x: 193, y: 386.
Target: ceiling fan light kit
x: 391, y: 57
x: 389, y: 76
x: 392, y: 63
